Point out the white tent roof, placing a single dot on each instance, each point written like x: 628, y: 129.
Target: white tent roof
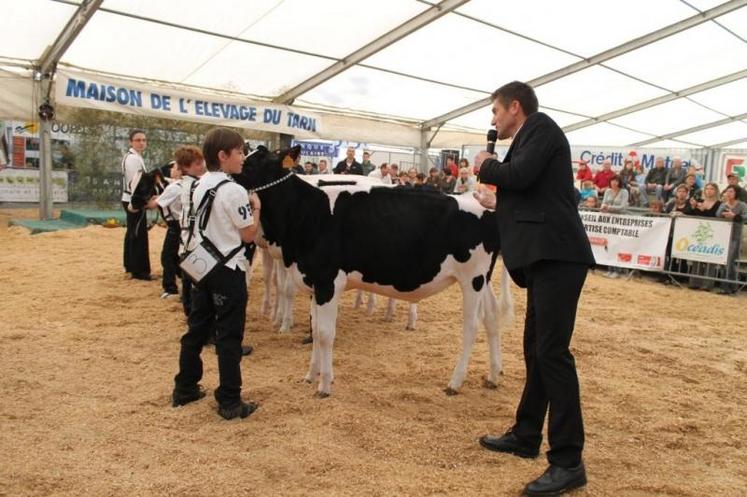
x: 663, y: 73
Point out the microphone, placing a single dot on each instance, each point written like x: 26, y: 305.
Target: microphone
x: 492, y: 137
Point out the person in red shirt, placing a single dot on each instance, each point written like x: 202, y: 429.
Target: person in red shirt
x: 584, y: 171
x: 603, y: 177
x: 452, y: 167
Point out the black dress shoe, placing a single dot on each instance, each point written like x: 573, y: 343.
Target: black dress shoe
x: 510, y: 444
x: 556, y: 480
x: 142, y: 276
x: 180, y: 398
x: 241, y: 410
x: 246, y: 350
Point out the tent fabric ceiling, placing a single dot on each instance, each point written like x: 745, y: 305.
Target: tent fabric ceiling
x: 263, y: 48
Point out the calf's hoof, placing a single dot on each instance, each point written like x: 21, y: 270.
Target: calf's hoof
x: 321, y: 395
x: 450, y: 391
x: 487, y: 383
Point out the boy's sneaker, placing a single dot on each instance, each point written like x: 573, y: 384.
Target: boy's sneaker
x: 241, y: 410
x: 180, y: 398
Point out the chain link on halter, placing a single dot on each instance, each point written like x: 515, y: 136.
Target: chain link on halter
x: 270, y: 185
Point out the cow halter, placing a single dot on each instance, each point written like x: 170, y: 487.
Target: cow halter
x: 270, y: 185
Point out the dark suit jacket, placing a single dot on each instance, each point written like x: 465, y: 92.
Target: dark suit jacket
x: 342, y: 167
x: 537, y: 214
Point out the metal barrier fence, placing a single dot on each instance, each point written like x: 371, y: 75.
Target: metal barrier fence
x: 691, y: 261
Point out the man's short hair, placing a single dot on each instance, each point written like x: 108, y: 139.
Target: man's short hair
x: 521, y: 92
x: 187, y: 155
x: 134, y: 132
x: 217, y: 140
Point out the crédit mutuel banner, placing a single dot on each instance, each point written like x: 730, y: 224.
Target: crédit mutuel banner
x: 105, y: 93
x: 621, y: 240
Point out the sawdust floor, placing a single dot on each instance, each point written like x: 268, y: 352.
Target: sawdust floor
x: 88, y: 359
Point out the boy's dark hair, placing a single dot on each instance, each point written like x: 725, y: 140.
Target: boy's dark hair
x: 516, y: 90
x: 220, y: 139
x: 134, y: 132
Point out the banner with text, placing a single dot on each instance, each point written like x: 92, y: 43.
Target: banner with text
x: 621, y: 240
x: 22, y: 185
x: 704, y: 240
x: 110, y: 94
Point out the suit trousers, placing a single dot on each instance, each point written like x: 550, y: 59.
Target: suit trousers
x: 553, y: 290
x: 136, y: 257
x: 219, y: 308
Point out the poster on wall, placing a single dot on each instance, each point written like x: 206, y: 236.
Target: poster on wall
x: 621, y: 240
x: 22, y: 185
x: 703, y: 240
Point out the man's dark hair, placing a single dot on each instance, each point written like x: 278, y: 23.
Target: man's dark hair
x: 521, y: 92
x: 218, y: 139
x: 134, y: 132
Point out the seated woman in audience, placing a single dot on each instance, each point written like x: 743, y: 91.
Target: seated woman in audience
x: 735, y: 211
x: 434, y: 179
x: 630, y: 183
x: 615, y: 197
x: 679, y: 205
x: 465, y: 183
x: 707, y: 206
x: 698, y: 178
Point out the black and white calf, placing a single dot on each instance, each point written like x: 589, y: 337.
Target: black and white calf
x: 400, y: 243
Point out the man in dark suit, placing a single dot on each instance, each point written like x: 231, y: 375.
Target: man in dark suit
x: 546, y: 251
x: 349, y: 165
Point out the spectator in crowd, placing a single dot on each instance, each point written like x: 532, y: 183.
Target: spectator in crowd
x: 382, y: 173
x: 394, y: 170
x: 434, y: 178
x: 615, y: 197
x: 464, y: 163
x: 366, y: 165
x: 708, y: 205
x: 349, y: 165
x: 308, y: 168
x: 704, y: 207
x: 584, y: 172
x: 655, y: 180
x: 323, y: 166
x: 404, y: 179
x: 655, y: 207
x: 679, y: 205
x: 733, y: 180
x: 451, y: 167
x: 588, y: 190
x: 447, y: 182
x: 465, y: 183
x: 591, y: 202
x: 412, y: 174
x: 602, y: 178
x: 675, y: 177
x: 735, y: 211
x: 630, y: 183
x: 698, y: 177
x: 693, y: 192
x: 420, y: 183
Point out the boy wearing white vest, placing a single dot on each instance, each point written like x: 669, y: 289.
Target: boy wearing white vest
x: 219, y: 300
